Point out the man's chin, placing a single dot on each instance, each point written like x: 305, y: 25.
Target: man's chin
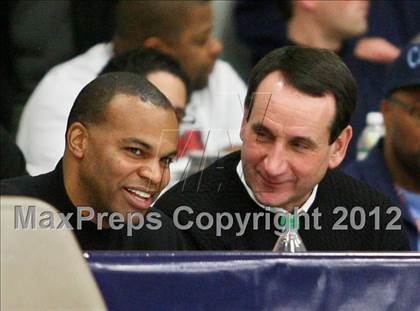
x: 287, y: 202
x: 201, y: 83
x: 268, y: 201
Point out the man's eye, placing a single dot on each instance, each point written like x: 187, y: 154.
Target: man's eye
x: 261, y: 135
x: 135, y: 151
x: 300, y: 145
x: 201, y: 42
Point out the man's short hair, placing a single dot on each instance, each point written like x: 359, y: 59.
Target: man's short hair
x: 413, y: 88
x: 312, y: 71
x: 94, y: 98
x: 146, y: 61
x: 138, y: 20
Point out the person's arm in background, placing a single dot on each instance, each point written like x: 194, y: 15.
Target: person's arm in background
x: 392, y: 24
x: 376, y: 49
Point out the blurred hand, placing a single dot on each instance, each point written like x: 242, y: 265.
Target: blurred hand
x: 377, y: 50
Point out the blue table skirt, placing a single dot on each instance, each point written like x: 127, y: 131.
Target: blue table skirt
x: 257, y: 281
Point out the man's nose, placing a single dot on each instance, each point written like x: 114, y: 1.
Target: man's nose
x: 216, y: 47
x: 151, y: 171
x: 275, y: 161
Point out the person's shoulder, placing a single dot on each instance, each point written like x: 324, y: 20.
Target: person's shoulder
x: 200, y: 186
x: 339, y: 179
x: 54, y: 95
x: 86, y: 64
x: 350, y: 189
x: 40, y: 186
x: 19, y: 186
x: 224, y: 87
x: 223, y: 66
x: 223, y: 73
x: 339, y: 190
x: 355, y: 169
x: 77, y: 71
x: 210, y: 177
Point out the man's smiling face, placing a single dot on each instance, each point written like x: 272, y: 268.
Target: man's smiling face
x: 286, y: 149
x: 126, y: 157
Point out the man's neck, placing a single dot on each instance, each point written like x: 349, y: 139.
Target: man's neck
x: 305, y: 31
x: 76, y: 190
x: 72, y: 184
x: 401, y: 177
x: 120, y: 46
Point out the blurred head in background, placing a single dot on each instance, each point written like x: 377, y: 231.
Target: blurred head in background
x: 160, y: 69
x: 325, y: 24
x: 401, y: 111
x: 182, y: 29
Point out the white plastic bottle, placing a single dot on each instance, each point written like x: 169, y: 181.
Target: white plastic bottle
x: 290, y: 241
x: 373, y: 131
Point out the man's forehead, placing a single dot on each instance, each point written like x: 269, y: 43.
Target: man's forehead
x: 133, y: 105
x: 125, y: 99
x: 277, y: 104
x: 275, y: 89
x: 129, y: 113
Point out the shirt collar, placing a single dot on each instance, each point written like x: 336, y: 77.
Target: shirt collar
x: 304, y: 208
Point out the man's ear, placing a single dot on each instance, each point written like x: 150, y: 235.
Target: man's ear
x: 339, y: 147
x: 158, y: 44
x: 244, y: 123
x: 76, y: 139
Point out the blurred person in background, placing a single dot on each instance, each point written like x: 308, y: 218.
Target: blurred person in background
x: 364, y: 41
x: 262, y: 25
x: 33, y: 49
x: 182, y: 29
x: 393, y: 166
x: 160, y: 69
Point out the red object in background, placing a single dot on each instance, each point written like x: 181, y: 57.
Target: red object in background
x: 190, y: 140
